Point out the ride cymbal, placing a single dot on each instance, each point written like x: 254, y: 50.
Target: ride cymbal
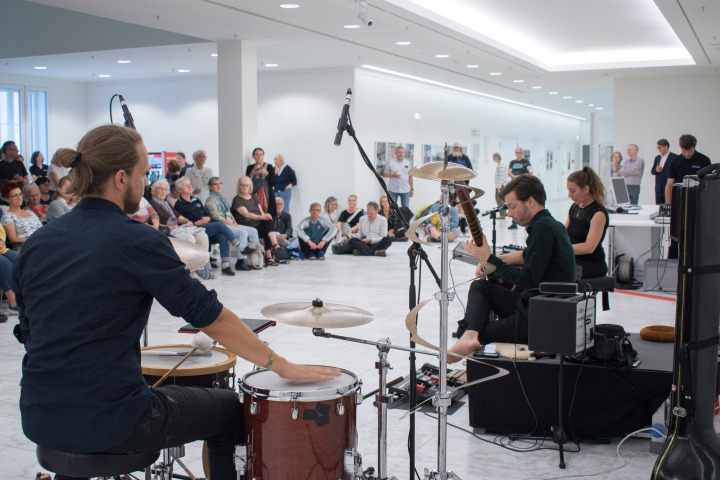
x: 441, y: 171
x: 193, y: 256
x: 316, y: 314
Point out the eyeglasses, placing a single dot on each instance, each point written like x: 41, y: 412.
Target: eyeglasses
x: 315, y: 210
x: 16, y: 195
x: 216, y: 184
x: 162, y: 189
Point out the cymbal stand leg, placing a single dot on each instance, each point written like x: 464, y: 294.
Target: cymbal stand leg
x: 381, y: 402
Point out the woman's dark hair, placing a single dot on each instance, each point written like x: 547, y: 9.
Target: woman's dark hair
x: 41, y: 180
x: 8, y: 187
x: 256, y: 149
x: 34, y: 157
x: 526, y: 186
x: 588, y: 178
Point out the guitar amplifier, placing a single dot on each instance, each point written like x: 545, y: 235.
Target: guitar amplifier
x: 562, y: 324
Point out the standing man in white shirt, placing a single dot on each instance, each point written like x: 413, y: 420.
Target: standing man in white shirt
x: 400, y: 183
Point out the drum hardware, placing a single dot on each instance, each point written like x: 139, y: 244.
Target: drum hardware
x: 317, y: 314
x: 169, y: 353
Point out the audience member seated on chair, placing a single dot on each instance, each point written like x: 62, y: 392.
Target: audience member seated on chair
x: 43, y: 183
x: 173, y: 168
x: 548, y: 257
x: 284, y: 226
x: 192, y: 208
x: 179, y: 226
x: 247, y: 211
x: 31, y: 192
x: 19, y: 224
x: 219, y: 209
x: 7, y: 260
x: 173, y: 194
x: 62, y: 201
x: 371, y: 237
x: 146, y: 214
x: 314, y: 233
x: 587, y: 221
x: 432, y: 224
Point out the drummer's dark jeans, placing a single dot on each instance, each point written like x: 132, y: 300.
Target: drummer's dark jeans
x: 487, y: 299
x: 180, y: 415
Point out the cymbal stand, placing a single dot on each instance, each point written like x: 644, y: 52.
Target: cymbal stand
x: 382, y: 398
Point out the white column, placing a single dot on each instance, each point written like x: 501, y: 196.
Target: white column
x: 237, y: 109
x: 595, y: 142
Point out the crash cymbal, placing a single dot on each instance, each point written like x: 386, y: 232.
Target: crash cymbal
x: 317, y: 314
x: 440, y: 171
x: 193, y: 256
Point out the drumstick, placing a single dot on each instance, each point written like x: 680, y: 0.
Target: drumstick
x: 201, y: 342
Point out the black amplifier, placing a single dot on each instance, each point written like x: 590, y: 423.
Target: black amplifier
x: 562, y: 324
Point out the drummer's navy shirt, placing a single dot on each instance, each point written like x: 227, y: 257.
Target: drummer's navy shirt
x: 85, y: 284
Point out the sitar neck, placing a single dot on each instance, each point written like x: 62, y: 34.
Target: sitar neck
x: 468, y: 209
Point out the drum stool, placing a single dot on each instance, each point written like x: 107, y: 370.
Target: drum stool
x: 85, y: 465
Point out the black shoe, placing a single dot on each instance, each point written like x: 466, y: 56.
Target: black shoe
x: 356, y: 252
x: 213, y: 265
x: 228, y: 271
x: 247, y: 250
x: 240, y: 265
x: 379, y: 253
x: 513, y: 226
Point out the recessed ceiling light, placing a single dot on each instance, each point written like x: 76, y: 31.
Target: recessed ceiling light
x: 591, y: 104
x: 536, y: 87
x: 183, y: 70
x: 552, y: 93
x: 351, y: 26
x: 103, y: 75
x: 442, y: 55
x: 495, y: 74
x: 271, y: 64
x: 213, y: 54
x: 567, y: 97
x: 124, y: 61
x: 289, y: 5
x: 402, y: 43
x: 599, y: 108
x: 518, y: 81
x: 579, y: 101
x: 472, y: 66
x: 40, y: 68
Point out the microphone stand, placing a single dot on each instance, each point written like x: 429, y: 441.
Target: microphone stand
x: 493, y: 214
x: 414, y: 252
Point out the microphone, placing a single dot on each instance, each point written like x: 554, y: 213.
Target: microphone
x: 343, y: 122
x: 126, y: 113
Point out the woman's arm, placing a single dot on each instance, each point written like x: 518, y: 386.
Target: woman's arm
x: 54, y: 178
x: 597, y: 225
x: 12, y: 234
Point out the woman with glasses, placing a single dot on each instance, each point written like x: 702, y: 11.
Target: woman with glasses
x: 19, y: 224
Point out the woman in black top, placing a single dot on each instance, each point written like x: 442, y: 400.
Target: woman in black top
x: 263, y: 177
x: 37, y: 168
x: 587, y: 221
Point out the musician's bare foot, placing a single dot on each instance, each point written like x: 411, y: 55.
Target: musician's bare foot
x: 467, y: 344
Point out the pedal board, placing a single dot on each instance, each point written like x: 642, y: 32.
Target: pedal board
x: 427, y: 385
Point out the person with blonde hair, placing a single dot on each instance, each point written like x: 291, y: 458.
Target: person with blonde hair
x: 83, y: 390
x: 199, y: 176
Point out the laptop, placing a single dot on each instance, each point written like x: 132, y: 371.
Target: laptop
x: 621, y: 197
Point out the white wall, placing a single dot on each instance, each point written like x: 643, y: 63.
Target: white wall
x: 647, y: 109
x: 171, y: 114
x: 66, y: 108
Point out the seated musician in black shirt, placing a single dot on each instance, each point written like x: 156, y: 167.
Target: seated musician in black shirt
x: 548, y: 257
x: 587, y: 221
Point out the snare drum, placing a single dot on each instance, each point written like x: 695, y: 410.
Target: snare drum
x: 299, y: 428
x: 214, y: 371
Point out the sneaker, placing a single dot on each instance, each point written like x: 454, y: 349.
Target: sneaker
x: 10, y: 311
x: 321, y: 255
x: 213, y: 265
x: 513, y: 226
x: 312, y: 256
x: 228, y: 271
x: 301, y: 256
x: 335, y: 249
x: 379, y: 253
x: 240, y: 265
x: 356, y: 252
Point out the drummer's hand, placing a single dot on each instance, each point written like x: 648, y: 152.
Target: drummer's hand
x: 482, y: 252
x: 311, y: 372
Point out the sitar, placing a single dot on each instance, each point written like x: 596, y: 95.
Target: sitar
x: 465, y: 202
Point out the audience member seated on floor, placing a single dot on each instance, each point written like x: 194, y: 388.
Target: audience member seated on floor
x: 396, y: 228
x: 247, y: 211
x: 178, y: 226
x: 432, y: 224
x: 587, y: 221
x: 199, y: 176
x: 548, y: 257
x: 37, y: 167
x: 31, y: 192
x: 19, y: 224
x: 315, y: 234
x: 331, y: 212
x: 285, y: 181
x: 219, y: 209
x: 7, y: 260
x: 348, y: 223
x: 284, y: 226
x: 173, y: 171
x: 192, y: 208
x: 43, y: 184
x: 371, y: 237
x: 62, y: 201
x: 146, y: 214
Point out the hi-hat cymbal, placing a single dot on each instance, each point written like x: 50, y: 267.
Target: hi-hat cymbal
x: 316, y: 314
x: 440, y: 171
x: 193, y: 256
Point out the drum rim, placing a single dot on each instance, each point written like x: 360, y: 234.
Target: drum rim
x: 183, y: 371
x: 287, y: 396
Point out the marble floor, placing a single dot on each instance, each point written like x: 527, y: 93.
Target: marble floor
x: 379, y: 285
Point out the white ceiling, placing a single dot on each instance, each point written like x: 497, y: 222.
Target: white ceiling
x: 180, y: 34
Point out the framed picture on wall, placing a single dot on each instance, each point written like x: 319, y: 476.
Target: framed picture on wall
x: 380, y: 154
x: 433, y: 153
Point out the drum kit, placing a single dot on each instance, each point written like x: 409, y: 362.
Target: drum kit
x: 307, y: 429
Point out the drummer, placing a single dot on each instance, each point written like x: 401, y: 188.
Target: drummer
x: 82, y: 386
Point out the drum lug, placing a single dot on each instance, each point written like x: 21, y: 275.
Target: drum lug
x: 253, y: 407
x: 241, y: 459
x: 340, y: 408
x: 294, y: 412
x: 241, y: 397
x: 358, y: 397
x: 352, y: 463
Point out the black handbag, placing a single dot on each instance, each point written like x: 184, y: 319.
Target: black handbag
x: 611, y: 347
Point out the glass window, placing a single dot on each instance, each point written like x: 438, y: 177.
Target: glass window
x: 37, y: 123
x: 10, y: 126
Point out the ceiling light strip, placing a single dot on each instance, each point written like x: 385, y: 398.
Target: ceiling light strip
x: 466, y: 90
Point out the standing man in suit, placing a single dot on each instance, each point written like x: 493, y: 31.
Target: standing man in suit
x: 660, y: 168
